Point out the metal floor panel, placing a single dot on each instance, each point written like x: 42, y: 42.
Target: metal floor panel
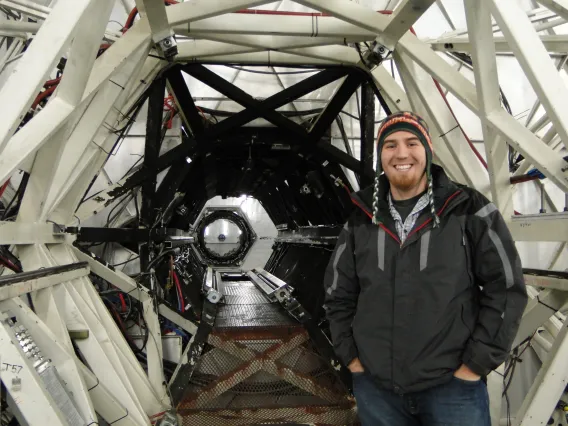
x: 259, y: 367
x: 241, y: 293
x: 255, y: 315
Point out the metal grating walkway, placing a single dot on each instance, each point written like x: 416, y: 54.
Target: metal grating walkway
x: 259, y: 367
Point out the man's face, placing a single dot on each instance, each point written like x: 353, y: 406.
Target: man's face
x: 403, y: 158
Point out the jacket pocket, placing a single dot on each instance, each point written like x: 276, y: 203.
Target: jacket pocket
x: 468, y: 317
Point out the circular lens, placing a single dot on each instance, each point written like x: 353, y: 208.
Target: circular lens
x: 222, y: 237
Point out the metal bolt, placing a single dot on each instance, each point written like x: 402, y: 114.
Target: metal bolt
x: 167, y: 42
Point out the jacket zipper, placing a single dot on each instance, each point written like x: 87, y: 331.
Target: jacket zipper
x: 450, y: 198
x: 387, y: 230
x: 439, y: 212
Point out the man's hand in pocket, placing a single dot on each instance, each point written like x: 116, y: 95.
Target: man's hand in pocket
x: 355, y: 366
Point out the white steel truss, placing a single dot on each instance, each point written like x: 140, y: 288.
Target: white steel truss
x: 65, y: 145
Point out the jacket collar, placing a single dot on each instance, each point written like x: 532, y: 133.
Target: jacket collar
x: 443, y: 188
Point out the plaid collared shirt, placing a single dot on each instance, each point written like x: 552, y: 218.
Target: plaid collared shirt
x: 404, y: 228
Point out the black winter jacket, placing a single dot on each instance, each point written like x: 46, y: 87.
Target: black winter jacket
x: 413, y: 313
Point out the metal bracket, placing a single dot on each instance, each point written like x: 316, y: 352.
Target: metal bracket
x: 168, y: 47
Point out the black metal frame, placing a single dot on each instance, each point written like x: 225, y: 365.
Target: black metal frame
x: 126, y: 235
x: 367, y: 121
x: 204, y: 138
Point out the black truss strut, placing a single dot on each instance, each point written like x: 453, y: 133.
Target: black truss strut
x: 193, y: 121
x: 187, y: 109
x: 282, y: 98
x: 334, y: 106
x: 224, y: 87
x: 253, y: 110
x: 367, y: 122
x: 151, y: 153
x: 130, y: 235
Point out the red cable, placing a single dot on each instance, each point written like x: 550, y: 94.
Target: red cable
x: 9, y: 264
x: 43, y: 95
x: 122, y: 302
x: 178, y: 286
x: 53, y: 82
x: 3, y: 188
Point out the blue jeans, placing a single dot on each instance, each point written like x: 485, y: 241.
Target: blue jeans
x: 457, y: 403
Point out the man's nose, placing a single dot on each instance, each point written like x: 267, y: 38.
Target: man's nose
x: 401, y: 151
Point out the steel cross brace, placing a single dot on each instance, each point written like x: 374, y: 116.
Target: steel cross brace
x: 189, y: 146
x: 269, y: 364
x: 255, y: 362
x: 296, y: 132
x: 218, y: 83
x: 296, y: 310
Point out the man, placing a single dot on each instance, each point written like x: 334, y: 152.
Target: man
x: 424, y: 291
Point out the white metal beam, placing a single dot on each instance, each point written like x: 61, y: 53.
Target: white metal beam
x: 298, y: 26
x: 34, y: 257
x: 540, y: 227
x: 19, y: 92
x: 20, y: 27
x: 99, y: 349
x: 155, y: 11
x: 263, y: 58
x: 338, y: 54
x: 15, y: 290
x: 478, y: 18
x: 560, y: 7
x: 30, y: 233
x: 278, y: 42
x: 404, y: 17
x: 215, y: 45
x: 394, y: 95
x: 31, y: 392
x: 535, y: 62
x: 538, y: 310
x: 81, y: 140
x: 195, y: 10
x: 550, y: 282
x: 67, y: 364
x: 44, y: 125
x: 417, y: 80
x: 70, y: 90
x: 351, y: 12
x: 94, y: 158
x: 552, y: 43
x: 549, y: 162
x: 152, y: 399
x: 29, y: 8
x: 548, y: 386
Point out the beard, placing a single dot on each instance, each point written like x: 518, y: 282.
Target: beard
x: 405, y: 182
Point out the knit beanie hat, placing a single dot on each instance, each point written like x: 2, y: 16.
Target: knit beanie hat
x: 413, y: 123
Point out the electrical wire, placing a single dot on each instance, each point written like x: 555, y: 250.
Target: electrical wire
x: 179, y: 292
x: 3, y: 187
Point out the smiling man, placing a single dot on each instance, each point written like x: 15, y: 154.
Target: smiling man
x: 424, y: 291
